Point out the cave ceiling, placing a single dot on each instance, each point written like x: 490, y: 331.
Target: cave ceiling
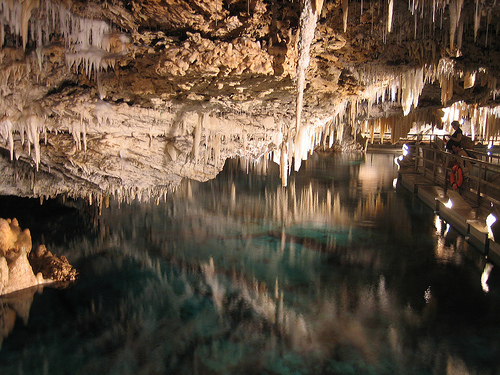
x: 127, y: 98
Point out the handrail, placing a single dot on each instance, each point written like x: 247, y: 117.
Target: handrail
x: 482, y: 186
x: 486, y: 156
x: 424, y: 137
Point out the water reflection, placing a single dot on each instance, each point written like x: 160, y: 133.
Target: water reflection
x: 15, y: 306
x: 337, y: 273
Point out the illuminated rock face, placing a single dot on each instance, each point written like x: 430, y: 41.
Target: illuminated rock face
x: 20, y: 268
x: 127, y: 98
x: 15, y: 245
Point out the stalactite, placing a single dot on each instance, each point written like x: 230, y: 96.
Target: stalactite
x: 208, y: 151
x: 389, y: 15
x: 460, y: 32
x: 446, y: 89
x: 197, y: 137
x: 318, y: 5
x: 84, y: 133
x: 6, y: 130
x: 244, y: 138
x: 307, y: 27
x: 27, y: 7
x: 477, y: 18
x: 469, y: 80
x: 217, y: 148
x: 89, y: 42
x: 88, y: 46
x: 32, y: 132
x: 455, y: 8
x: 345, y: 10
x: 488, y: 21
x: 301, y: 147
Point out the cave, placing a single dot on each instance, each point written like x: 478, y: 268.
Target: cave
x: 221, y: 174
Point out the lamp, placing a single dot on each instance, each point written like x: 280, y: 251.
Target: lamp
x: 493, y: 226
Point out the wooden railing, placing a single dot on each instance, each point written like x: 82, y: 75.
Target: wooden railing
x: 379, y: 138
x: 481, y: 187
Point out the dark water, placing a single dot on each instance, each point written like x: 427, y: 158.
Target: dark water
x: 338, y: 273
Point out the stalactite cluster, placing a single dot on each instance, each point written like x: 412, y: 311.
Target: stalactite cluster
x: 97, y: 93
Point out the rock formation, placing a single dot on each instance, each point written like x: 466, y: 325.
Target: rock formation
x: 20, y: 268
x: 126, y: 98
x: 50, y: 266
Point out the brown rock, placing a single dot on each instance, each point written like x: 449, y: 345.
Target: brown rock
x: 53, y: 267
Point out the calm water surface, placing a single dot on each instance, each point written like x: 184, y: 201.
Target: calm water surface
x: 340, y: 272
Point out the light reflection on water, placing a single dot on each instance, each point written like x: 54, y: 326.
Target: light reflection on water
x: 337, y: 273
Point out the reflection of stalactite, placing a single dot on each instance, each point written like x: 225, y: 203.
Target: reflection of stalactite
x: 16, y: 305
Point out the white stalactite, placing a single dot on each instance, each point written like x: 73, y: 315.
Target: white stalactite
x: 477, y: 18
x: 307, y: 28
x: 197, y: 137
x: 308, y: 18
x: 389, y: 15
x: 345, y: 11
x: 27, y: 7
x: 283, y: 165
x: 90, y: 43
x: 455, y: 8
x: 469, y: 80
x: 6, y: 131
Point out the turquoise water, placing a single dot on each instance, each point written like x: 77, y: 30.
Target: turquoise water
x: 340, y: 272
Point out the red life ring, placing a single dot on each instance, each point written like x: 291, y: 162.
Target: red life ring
x: 456, y: 177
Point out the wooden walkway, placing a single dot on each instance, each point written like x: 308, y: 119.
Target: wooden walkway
x: 423, y: 171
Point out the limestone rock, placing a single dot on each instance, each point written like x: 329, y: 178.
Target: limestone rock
x: 52, y: 267
x: 12, y: 239
x: 17, y: 272
x: 20, y: 275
